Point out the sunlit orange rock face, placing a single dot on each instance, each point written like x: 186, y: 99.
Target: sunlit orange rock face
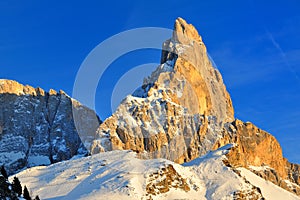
x: 13, y: 87
x: 180, y: 98
x: 255, y: 147
x: 183, y: 110
x: 205, y: 92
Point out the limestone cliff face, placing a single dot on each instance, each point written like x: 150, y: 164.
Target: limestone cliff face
x: 157, y: 128
x: 260, y: 152
x: 202, y: 80
x: 179, y: 110
x: 37, y: 127
x: 254, y: 147
x: 183, y: 110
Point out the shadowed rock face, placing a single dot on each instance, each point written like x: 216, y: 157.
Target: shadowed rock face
x: 37, y: 127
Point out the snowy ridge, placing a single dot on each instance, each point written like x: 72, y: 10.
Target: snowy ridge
x: 122, y: 175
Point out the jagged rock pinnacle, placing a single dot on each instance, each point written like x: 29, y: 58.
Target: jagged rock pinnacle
x: 182, y: 94
x: 204, y: 83
x: 184, y: 32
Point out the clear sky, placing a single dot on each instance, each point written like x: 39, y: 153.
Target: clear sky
x: 255, y: 44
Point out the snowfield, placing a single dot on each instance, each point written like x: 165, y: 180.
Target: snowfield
x: 268, y: 189
x: 122, y: 175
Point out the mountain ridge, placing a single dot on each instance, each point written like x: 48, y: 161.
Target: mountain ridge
x: 181, y: 112
x: 37, y: 127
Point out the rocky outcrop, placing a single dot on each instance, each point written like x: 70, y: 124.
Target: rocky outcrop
x: 260, y: 152
x: 272, y: 176
x: 254, y: 147
x: 293, y: 171
x: 165, y: 179
x: 37, y: 127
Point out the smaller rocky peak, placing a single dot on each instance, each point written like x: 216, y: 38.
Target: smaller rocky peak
x: 185, y: 33
x: 184, y: 43
x: 13, y: 87
x: 40, y: 91
x: 52, y: 92
x: 16, y: 88
x: 63, y: 93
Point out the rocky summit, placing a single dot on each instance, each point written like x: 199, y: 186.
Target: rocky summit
x: 183, y: 110
x: 179, y: 111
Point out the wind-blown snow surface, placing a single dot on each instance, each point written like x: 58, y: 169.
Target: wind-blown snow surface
x: 121, y: 175
x: 268, y: 189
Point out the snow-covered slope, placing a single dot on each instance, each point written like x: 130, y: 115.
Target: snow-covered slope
x: 268, y: 189
x: 121, y: 175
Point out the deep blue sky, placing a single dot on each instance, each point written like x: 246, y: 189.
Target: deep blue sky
x: 256, y: 46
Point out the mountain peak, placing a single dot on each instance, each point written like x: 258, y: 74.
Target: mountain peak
x: 13, y: 87
x: 185, y: 33
x: 204, y: 91
x: 182, y: 94
x: 16, y: 88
